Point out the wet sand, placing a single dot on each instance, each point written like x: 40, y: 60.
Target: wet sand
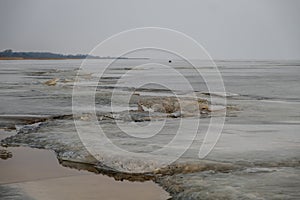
x: 38, y: 175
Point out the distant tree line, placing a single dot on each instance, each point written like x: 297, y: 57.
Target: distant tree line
x: 41, y: 55
x: 10, y: 54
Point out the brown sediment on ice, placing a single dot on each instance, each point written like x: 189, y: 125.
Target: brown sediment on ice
x: 186, y: 106
x: 173, y: 169
x: 172, y: 104
x: 51, y: 82
x: 190, y: 167
x: 100, y: 169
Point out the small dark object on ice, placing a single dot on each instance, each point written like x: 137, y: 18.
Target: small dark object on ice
x: 170, y: 61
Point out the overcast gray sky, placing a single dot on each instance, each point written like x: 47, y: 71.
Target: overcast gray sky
x: 229, y: 29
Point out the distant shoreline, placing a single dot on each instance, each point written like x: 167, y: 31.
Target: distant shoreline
x: 20, y: 58
x: 11, y: 55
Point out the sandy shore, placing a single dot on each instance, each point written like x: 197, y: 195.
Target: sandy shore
x: 36, y: 174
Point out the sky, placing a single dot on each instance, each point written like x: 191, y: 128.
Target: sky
x: 231, y: 29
